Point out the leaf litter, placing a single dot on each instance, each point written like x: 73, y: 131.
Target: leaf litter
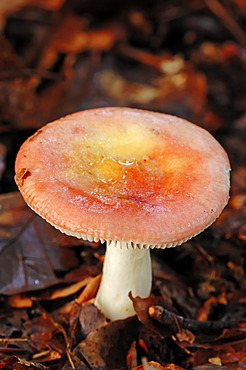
x: 185, y: 58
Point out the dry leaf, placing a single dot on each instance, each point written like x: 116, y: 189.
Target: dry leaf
x: 132, y: 356
x: 169, y: 90
x: 152, y: 365
x: 165, y: 367
x: 15, y: 363
x: 90, y: 318
x: 113, y: 340
x: 30, y: 250
x: 7, y: 7
x: 18, y: 100
x: 19, y: 301
x: 90, y: 290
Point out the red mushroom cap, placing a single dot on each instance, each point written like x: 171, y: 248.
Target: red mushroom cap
x: 125, y: 174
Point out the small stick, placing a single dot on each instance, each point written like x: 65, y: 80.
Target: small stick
x: 62, y: 330
x: 40, y: 354
x: 220, y: 11
x: 168, y: 318
x: 13, y: 339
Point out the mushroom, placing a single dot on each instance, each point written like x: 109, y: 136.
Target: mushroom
x: 133, y: 178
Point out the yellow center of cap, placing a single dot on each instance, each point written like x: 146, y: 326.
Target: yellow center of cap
x: 129, y: 161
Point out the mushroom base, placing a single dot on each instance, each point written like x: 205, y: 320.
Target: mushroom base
x: 124, y: 270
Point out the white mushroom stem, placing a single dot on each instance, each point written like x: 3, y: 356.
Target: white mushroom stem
x: 124, y: 270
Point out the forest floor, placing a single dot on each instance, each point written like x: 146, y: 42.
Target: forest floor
x: 181, y: 57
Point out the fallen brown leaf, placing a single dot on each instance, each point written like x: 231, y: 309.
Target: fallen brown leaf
x: 205, y: 310
x: 90, y: 318
x: 71, y: 289
x: 30, y: 250
x: 18, y: 100
x: 90, y: 290
x: 7, y: 7
x: 131, y: 357
x: 15, y: 363
x: 152, y: 365
x: 143, y: 307
x: 19, y: 301
x: 168, y: 90
x: 114, y: 341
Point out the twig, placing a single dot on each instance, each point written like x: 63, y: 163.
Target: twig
x: 12, y: 350
x: 40, y: 354
x: 13, y: 339
x: 62, y: 330
x: 170, y: 319
x: 220, y: 11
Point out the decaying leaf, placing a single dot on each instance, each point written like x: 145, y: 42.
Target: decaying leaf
x: 2, y: 159
x: 7, y: 7
x: 30, y: 250
x: 168, y: 90
x: 152, y: 365
x: 114, y: 341
x: 90, y: 290
x: 90, y: 318
x: 19, y: 301
x: 18, y: 100
x: 15, y: 363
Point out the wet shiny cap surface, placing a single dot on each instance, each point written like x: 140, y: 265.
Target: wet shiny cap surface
x: 125, y: 174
